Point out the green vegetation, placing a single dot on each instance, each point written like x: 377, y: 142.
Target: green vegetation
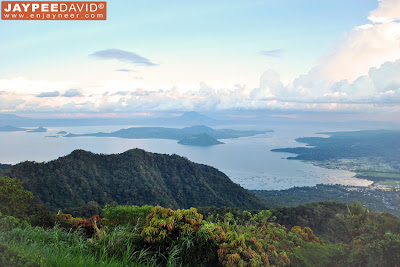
x: 13, y: 198
x: 157, y: 236
x: 373, y: 199
x: 381, y: 179
x: 133, y: 177
x: 5, y: 166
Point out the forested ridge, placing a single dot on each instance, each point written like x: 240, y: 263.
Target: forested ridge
x: 133, y: 177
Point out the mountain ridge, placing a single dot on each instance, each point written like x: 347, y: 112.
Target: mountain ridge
x: 133, y: 177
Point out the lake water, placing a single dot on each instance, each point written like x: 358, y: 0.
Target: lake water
x: 247, y: 161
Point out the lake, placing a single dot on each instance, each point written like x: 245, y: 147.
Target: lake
x: 247, y: 161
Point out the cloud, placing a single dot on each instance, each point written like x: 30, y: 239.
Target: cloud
x: 72, y: 93
x: 49, y: 94
x: 273, y: 53
x: 387, y: 11
x: 125, y: 70
x: 270, y: 85
x: 25, y: 86
x: 122, y: 55
x: 9, y: 102
x: 378, y: 90
x: 123, y: 93
x: 380, y: 86
x: 364, y: 47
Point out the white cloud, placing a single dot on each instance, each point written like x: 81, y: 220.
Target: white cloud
x: 9, y: 102
x: 387, y: 11
x: 378, y: 90
x: 365, y: 46
x: 270, y: 85
x: 22, y: 85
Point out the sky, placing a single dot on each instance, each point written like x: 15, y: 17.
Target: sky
x: 209, y: 55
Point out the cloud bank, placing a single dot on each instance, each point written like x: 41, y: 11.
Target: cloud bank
x: 379, y: 90
x: 364, y: 47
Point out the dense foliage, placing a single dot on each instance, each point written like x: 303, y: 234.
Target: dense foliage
x: 133, y: 177
x: 13, y: 197
x: 167, y: 237
x: 158, y: 236
x: 182, y: 237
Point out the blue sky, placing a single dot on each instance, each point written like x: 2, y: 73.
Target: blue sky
x: 200, y: 49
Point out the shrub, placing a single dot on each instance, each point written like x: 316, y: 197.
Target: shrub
x: 90, y: 226
x: 129, y: 214
x: 13, y: 256
x: 13, y: 197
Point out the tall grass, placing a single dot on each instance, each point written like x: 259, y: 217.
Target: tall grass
x: 57, y: 247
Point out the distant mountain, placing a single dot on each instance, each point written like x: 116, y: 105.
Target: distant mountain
x: 186, y: 119
x: 172, y: 133
x: 61, y: 132
x: 38, y: 130
x: 133, y: 177
x: 9, y: 119
x: 194, y: 118
x: 9, y: 128
x: 199, y: 140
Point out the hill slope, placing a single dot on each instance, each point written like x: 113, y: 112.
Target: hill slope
x: 133, y: 177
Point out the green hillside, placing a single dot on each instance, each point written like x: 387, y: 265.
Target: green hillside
x: 133, y: 177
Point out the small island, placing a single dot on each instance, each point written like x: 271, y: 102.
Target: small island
x: 61, y: 132
x: 38, y: 130
x: 199, y: 140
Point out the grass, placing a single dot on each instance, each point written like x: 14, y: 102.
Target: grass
x: 56, y: 247
x: 389, y: 175
x: 389, y: 183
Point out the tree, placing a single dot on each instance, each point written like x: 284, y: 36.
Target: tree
x: 13, y: 197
